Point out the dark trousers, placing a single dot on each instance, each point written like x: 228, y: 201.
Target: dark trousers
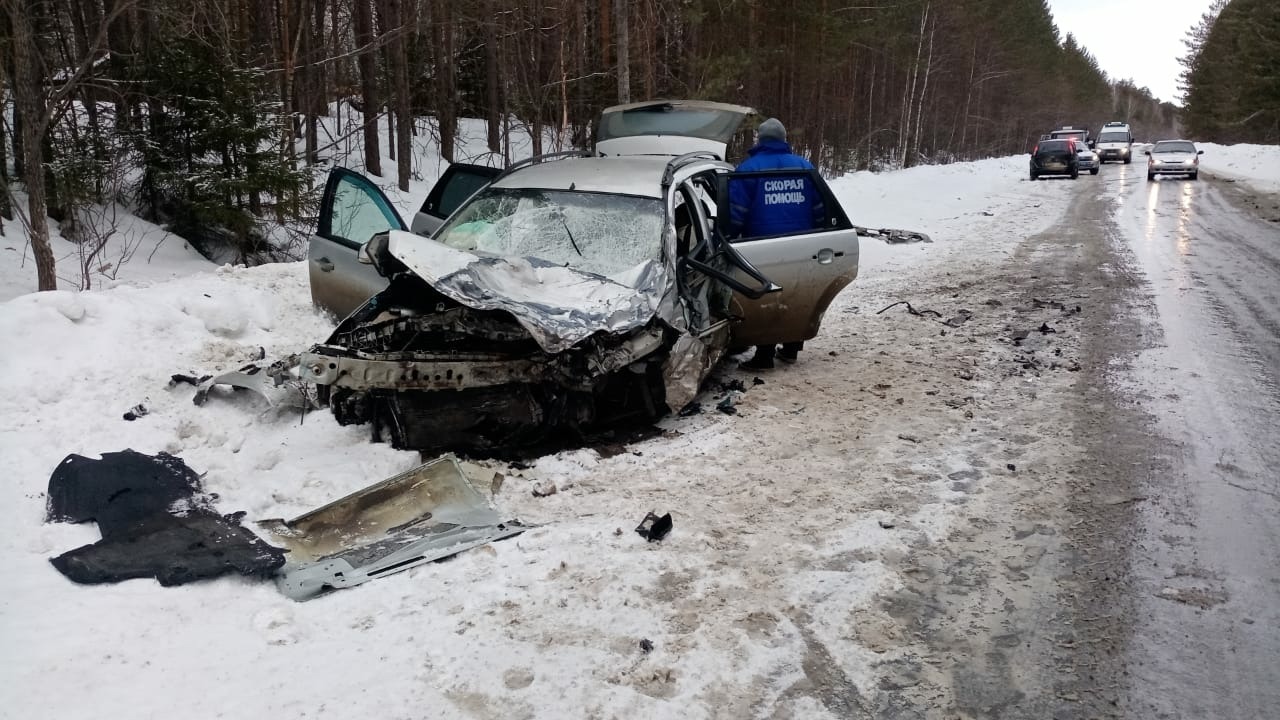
x: 788, y: 349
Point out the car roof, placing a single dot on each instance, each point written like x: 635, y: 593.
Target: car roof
x: 639, y: 175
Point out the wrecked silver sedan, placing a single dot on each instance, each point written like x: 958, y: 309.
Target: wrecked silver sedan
x: 571, y: 294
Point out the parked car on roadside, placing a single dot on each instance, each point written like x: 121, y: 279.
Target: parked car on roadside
x: 569, y: 293
x: 1069, y: 132
x: 1173, y: 157
x: 1087, y: 159
x: 1055, y: 157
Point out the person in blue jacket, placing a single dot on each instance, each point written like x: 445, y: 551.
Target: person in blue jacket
x: 773, y: 205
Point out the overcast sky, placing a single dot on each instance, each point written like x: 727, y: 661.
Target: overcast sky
x: 1133, y: 39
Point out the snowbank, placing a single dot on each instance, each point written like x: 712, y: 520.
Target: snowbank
x: 1256, y: 165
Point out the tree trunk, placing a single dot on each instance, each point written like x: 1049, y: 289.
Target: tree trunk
x: 620, y: 12
x: 29, y: 104
x: 400, y: 73
x: 446, y: 97
x: 493, y: 112
x: 368, y: 60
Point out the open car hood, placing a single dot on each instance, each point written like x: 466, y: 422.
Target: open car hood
x: 669, y: 127
x: 559, y: 306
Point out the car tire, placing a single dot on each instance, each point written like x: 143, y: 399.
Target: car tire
x: 1127, y: 159
x: 1195, y: 175
x: 1075, y: 174
x: 1034, y: 176
x: 1094, y: 171
x: 1151, y: 177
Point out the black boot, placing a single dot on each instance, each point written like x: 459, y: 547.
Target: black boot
x: 790, y: 351
x: 762, y: 360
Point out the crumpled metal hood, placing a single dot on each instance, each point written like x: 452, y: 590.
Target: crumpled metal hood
x: 559, y: 306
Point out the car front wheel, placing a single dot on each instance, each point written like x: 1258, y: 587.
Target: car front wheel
x: 1094, y: 171
x: 1151, y: 176
x: 1127, y: 159
x: 1195, y: 175
x: 1034, y: 176
x: 1075, y: 174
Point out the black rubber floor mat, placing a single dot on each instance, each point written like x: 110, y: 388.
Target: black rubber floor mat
x: 155, y: 522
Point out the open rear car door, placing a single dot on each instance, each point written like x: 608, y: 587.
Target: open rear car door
x: 811, y: 266
x: 458, y: 183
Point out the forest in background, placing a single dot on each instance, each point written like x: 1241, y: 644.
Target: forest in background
x: 206, y: 115
x: 1231, y: 77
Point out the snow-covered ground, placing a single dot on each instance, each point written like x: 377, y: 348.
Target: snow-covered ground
x: 1256, y: 165
x: 545, y: 625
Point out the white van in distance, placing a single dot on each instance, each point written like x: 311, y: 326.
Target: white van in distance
x: 1115, y: 142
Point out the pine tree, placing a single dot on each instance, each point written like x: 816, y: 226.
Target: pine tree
x: 210, y: 152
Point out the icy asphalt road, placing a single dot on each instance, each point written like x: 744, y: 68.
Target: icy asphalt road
x: 1206, y: 567
x: 1145, y: 581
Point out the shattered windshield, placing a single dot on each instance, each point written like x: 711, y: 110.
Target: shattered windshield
x: 593, y: 232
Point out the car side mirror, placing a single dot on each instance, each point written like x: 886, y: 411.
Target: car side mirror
x: 377, y: 252
x: 1199, y: 152
x: 1146, y: 152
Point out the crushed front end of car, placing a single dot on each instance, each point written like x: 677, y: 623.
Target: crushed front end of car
x: 484, y: 355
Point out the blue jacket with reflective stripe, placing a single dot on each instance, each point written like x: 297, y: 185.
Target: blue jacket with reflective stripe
x: 774, y: 205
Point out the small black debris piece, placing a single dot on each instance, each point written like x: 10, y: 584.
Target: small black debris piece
x: 733, y: 385
x: 758, y: 381
x: 646, y: 646
x: 1011, y: 467
x: 262, y: 354
x: 654, y: 528
x: 155, y: 522
x: 726, y: 406
x: 909, y: 438
x: 180, y: 378
x: 912, y: 310
x: 886, y: 524
x: 1045, y: 329
x: 136, y: 412
x: 693, y: 408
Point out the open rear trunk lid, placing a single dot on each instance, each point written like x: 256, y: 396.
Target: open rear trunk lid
x: 669, y: 127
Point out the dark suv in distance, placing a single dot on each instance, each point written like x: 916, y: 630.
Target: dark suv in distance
x: 1054, y: 157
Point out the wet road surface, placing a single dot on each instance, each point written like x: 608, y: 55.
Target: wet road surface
x: 1205, y: 569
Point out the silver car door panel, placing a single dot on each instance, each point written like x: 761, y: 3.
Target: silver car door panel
x: 812, y: 269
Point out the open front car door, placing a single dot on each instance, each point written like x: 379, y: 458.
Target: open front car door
x: 352, y: 210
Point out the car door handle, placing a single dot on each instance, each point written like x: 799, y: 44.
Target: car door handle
x: 826, y: 255
x: 326, y: 265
